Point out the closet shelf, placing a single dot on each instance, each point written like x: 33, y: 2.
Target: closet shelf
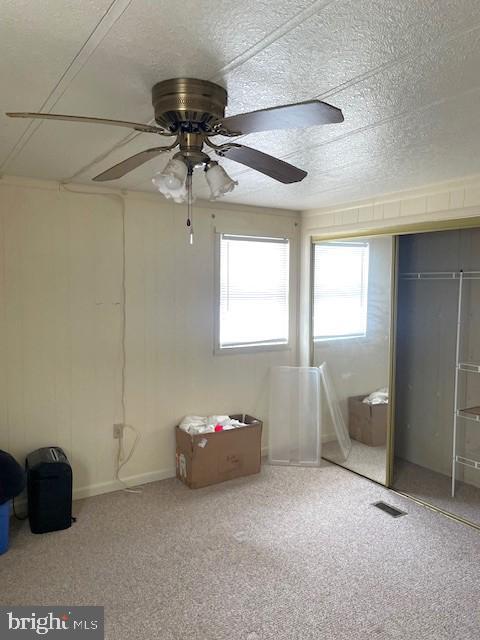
x: 467, y: 462
x: 440, y: 275
x: 470, y: 367
x: 471, y: 413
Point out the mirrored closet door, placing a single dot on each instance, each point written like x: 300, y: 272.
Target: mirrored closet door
x: 437, y: 381
x: 351, y: 329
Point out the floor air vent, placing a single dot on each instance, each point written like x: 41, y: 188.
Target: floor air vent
x: 392, y: 511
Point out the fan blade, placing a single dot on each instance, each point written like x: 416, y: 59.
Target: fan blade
x: 289, y: 116
x: 270, y: 166
x: 144, y: 128
x: 129, y: 164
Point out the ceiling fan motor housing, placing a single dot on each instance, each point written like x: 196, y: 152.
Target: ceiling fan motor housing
x: 187, y: 104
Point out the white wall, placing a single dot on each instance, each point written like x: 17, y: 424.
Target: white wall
x: 61, y: 325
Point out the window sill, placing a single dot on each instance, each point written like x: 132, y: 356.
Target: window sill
x: 251, y: 348
x: 357, y: 336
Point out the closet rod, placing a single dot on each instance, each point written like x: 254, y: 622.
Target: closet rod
x: 440, y: 275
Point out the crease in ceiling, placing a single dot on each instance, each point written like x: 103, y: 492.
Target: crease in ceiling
x: 110, y: 17
x: 272, y: 37
x: 448, y: 38
x: 383, y: 154
x: 370, y: 127
x: 293, y: 48
x: 218, y: 76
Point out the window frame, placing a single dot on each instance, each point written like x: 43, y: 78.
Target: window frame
x: 250, y: 347
x: 347, y: 336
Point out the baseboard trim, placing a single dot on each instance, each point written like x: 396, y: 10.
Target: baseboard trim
x: 100, y: 488
x: 106, y: 487
x: 113, y: 485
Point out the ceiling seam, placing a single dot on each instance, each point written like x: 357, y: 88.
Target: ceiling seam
x: 353, y: 164
x: 254, y: 50
x: 118, y: 145
x: 273, y: 36
x: 48, y: 104
x: 359, y: 79
x: 97, y: 35
x: 388, y: 65
x: 380, y: 123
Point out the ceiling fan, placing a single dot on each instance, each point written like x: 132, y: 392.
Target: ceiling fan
x: 193, y: 112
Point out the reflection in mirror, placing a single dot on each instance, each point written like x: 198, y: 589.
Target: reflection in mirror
x: 352, y: 289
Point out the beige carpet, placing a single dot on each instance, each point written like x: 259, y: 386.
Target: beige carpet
x: 290, y: 554
x: 435, y: 488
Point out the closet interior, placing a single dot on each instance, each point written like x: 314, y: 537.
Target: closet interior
x: 437, y: 379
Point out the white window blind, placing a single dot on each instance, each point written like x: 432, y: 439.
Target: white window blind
x: 340, y: 297
x: 254, y: 291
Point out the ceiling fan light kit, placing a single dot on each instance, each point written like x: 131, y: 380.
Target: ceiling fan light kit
x: 193, y: 111
x: 171, y: 181
x: 218, y: 180
x: 163, y: 181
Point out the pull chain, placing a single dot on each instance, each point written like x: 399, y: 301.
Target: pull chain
x: 189, y: 205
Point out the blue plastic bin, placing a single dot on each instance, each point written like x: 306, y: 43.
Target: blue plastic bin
x: 4, y: 526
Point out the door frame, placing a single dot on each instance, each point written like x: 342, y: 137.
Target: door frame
x: 395, y: 231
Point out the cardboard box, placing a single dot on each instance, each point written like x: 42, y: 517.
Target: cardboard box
x: 209, y: 458
x: 367, y: 423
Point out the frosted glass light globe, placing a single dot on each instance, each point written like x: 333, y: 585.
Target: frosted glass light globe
x: 172, y: 178
x: 218, y: 180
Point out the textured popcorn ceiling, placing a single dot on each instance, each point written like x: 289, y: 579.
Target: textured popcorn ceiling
x: 405, y: 75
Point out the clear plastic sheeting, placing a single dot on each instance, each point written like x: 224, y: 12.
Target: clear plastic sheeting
x: 332, y: 416
x: 294, y: 416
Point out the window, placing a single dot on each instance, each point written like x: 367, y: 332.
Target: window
x: 340, y: 293
x: 253, y: 291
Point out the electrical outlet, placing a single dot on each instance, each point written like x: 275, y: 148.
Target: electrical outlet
x: 118, y: 431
